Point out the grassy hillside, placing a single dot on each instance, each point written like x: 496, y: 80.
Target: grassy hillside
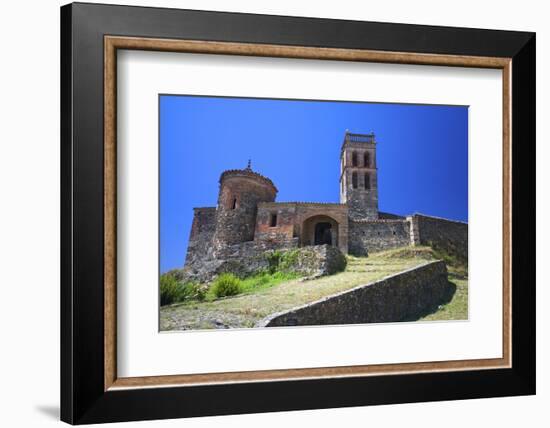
x: 271, y: 296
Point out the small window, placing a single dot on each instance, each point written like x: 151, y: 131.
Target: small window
x: 367, y: 159
x: 234, y: 204
x: 354, y: 159
x: 273, y: 220
x: 367, y: 181
x: 354, y: 180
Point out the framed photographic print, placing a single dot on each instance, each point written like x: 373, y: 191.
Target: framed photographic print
x: 265, y: 213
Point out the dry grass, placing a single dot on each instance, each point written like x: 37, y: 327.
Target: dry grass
x: 457, y: 308
x: 246, y: 309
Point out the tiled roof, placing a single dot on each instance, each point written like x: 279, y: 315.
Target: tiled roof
x: 247, y: 172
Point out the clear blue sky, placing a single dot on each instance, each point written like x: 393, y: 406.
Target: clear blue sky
x: 422, y: 155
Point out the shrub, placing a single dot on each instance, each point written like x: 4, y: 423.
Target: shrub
x: 226, y: 284
x: 282, y: 261
x: 174, y: 291
x: 193, y: 291
x: 273, y: 259
x: 289, y: 260
x: 170, y: 289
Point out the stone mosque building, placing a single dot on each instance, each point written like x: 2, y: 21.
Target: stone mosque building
x: 249, y: 220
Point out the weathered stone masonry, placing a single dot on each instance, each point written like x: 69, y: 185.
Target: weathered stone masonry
x: 377, y: 235
x: 400, y: 297
x: 448, y: 235
x: 202, y: 232
x: 247, y: 220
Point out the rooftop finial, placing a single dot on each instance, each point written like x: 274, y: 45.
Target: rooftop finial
x: 249, y: 165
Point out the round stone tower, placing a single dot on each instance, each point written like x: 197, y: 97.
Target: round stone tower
x: 240, y: 192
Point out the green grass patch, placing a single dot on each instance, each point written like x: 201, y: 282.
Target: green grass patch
x: 266, y: 280
x: 457, y: 308
x: 227, y: 284
x: 451, y: 260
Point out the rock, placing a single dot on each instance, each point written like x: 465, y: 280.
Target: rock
x: 250, y: 259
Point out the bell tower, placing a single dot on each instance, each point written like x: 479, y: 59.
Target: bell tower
x: 358, y: 176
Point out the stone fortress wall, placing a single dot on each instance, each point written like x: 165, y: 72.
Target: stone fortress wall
x: 202, y: 233
x: 440, y: 233
x: 363, y: 236
x: 419, y: 229
x: 378, y: 235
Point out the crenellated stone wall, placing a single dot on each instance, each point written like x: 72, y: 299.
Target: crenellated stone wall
x: 405, y: 296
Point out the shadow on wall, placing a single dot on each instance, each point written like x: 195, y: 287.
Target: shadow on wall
x: 447, y: 296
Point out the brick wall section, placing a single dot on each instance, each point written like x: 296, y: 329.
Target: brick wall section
x: 202, y: 231
x: 285, y: 225
x: 448, y: 235
x: 378, y: 235
x: 400, y: 297
x: 295, y: 220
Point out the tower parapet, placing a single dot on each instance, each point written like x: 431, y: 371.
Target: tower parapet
x: 359, y: 176
x: 240, y: 192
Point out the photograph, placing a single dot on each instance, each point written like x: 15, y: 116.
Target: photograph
x: 291, y: 213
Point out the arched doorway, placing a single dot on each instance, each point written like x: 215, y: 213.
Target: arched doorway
x: 323, y: 233
x: 319, y: 230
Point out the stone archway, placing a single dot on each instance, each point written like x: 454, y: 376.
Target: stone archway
x: 319, y: 230
x: 323, y: 233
